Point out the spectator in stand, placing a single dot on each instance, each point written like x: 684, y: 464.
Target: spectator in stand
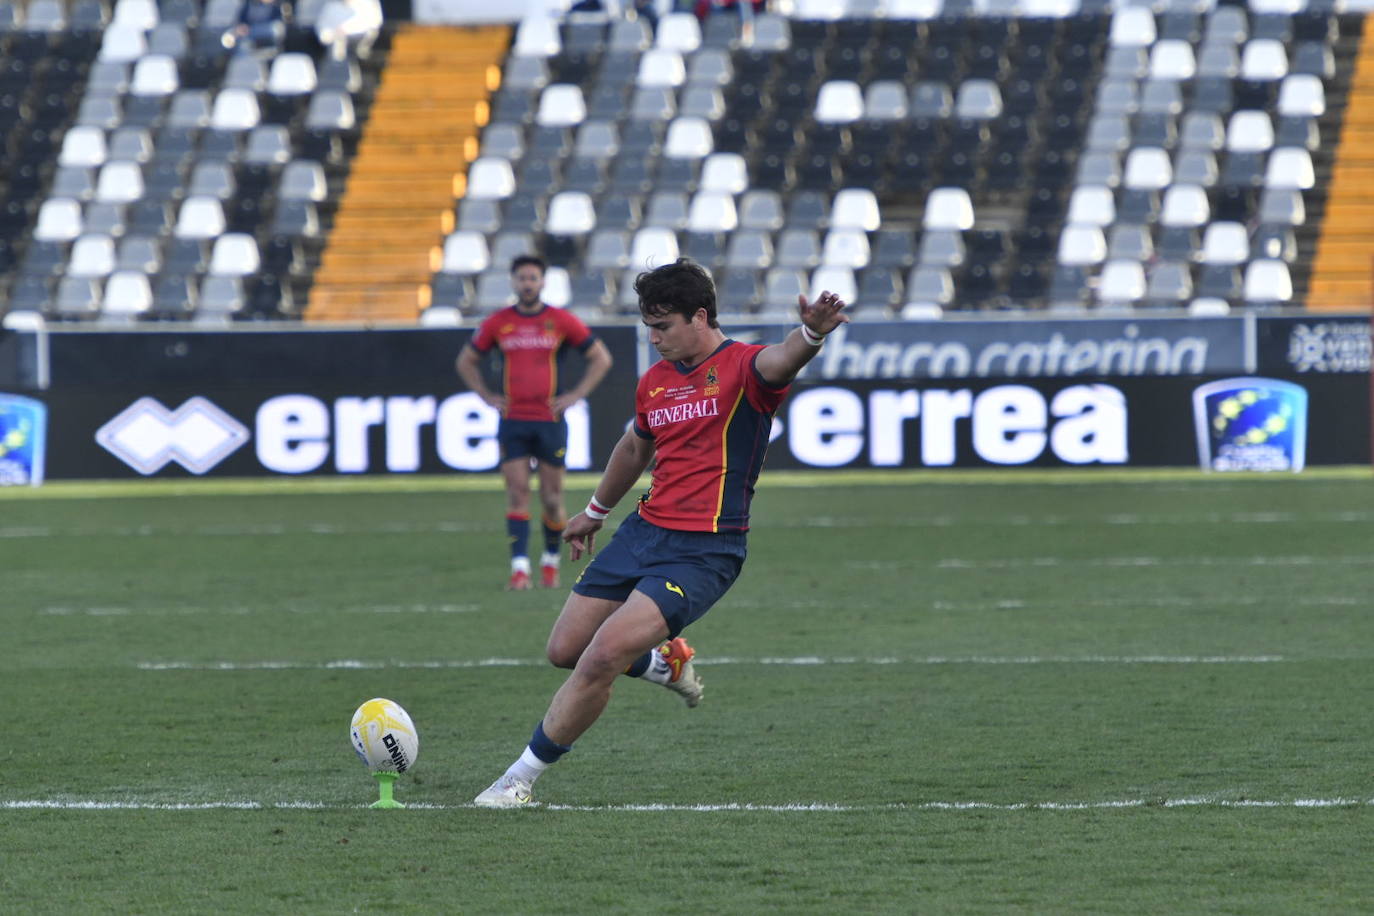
x: 261, y: 26
x: 747, y: 9
x: 349, y: 27
x: 648, y: 10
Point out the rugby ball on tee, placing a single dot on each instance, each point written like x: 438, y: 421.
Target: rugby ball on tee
x: 384, y: 737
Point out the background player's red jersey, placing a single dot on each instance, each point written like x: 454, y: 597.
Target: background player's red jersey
x: 710, y: 427
x: 530, y: 346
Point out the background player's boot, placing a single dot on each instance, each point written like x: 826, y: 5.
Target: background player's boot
x: 506, y: 792
x: 683, y: 679
x: 548, y: 571
x: 519, y: 575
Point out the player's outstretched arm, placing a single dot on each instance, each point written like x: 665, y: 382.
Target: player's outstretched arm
x: 780, y: 362
x: 629, y: 458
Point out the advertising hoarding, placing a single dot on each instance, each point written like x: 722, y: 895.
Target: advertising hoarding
x: 179, y: 403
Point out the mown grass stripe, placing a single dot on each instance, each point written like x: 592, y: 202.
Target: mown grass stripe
x: 492, y: 483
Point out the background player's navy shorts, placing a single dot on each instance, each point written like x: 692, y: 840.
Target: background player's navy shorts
x: 684, y: 572
x: 545, y: 440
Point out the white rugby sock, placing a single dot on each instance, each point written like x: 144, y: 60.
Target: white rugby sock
x: 528, y: 767
x: 658, y: 672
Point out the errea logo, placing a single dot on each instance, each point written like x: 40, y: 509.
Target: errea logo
x: 147, y: 436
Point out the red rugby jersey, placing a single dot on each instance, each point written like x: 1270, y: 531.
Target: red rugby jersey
x: 710, y: 427
x: 530, y: 347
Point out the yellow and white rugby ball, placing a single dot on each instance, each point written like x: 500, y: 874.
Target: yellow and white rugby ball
x: 384, y: 737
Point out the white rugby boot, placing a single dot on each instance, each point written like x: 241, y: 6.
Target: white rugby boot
x: 507, y: 792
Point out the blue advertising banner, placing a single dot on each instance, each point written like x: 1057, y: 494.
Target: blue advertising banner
x: 23, y: 440
x: 1061, y: 348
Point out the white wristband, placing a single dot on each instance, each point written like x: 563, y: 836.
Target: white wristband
x: 811, y: 337
x: 595, y: 511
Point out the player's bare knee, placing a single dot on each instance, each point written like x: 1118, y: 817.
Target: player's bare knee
x: 596, y: 664
x: 562, y: 655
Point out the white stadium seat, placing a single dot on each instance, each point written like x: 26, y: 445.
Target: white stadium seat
x: 59, y: 220
x: 838, y: 280
x: 561, y: 105
x: 679, y: 32
x: 1091, y: 205
x: 83, y: 146
x: 127, y: 292
x: 948, y: 208
x: 1267, y: 280
x: 119, y: 182
x: 845, y: 248
x: 1082, y: 245
x: 91, y: 256
x: 688, y: 138
x: 537, y: 36
x: 235, y: 254
x: 1185, y: 205
x: 570, y: 213
x: 1290, y: 167
x: 839, y: 102
x: 292, y: 73
x: 154, y: 74
x: 712, y: 211
x: 465, y: 252
x: 653, y: 247
x: 725, y: 172
x: 1263, y: 59
x: 1249, y: 132
x: 855, y: 208
x: 200, y: 218
x: 1225, y: 242
x: 660, y: 68
x: 490, y: 177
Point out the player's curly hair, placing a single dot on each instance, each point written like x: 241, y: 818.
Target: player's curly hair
x: 680, y: 288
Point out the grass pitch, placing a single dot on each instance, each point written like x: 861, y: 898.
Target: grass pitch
x: 1043, y: 693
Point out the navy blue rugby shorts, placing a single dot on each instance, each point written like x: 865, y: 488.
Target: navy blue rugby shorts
x: 683, y: 572
x: 545, y: 440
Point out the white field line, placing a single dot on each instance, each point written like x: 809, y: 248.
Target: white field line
x: 962, y: 563
x: 1011, y: 603
x: 1202, y: 801
x: 240, y: 610
x: 262, y: 530
x: 21, y: 532
x: 790, y: 661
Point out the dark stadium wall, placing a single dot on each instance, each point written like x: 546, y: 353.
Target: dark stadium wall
x: 1293, y: 392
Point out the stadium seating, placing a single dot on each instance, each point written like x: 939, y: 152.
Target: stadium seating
x: 919, y: 156
x: 162, y: 139
x: 1118, y: 172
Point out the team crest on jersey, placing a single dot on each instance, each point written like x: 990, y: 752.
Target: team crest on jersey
x: 712, y: 382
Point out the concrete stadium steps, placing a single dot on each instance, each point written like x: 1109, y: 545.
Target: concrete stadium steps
x: 1343, y: 270
x: 411, y: 163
